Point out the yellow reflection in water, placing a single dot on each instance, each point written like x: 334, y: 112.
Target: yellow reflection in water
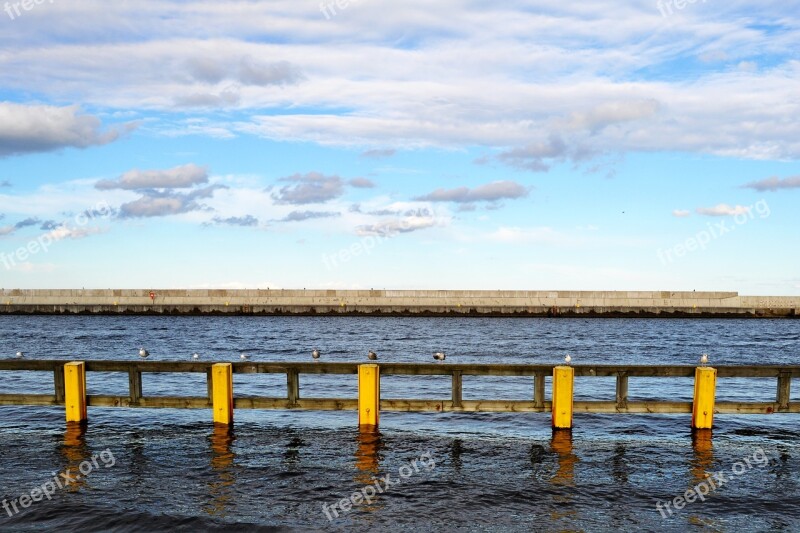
x: 370, y: 445
x: 703, y: 455
x: 561, y: 444
x: 75, y: 452
x: 221, y: 489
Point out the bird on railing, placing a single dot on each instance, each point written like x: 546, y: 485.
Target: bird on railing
x: 315, y: 354
x: 244, y: 357
x: 704, y: 359
x: 20, y: 355
x: 143, y: 353
x: 195, y: 356
x: 440, y: 356
x: 568, y: 359
x: 372, y: 356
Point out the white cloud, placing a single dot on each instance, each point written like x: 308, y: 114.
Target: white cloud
x: 178, y: 177
x: 527, y: 235
x: 65, y: 232
x: 489, y: 192
x: 774, y: 183
x: 41, y: 128
x: 681, y: 213
x: 509, y: 77
x: 722, y: 210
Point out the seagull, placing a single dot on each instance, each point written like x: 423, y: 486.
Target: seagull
x: 315, y: 354
x: 440, y: 356
x: 143, y: 353
x: 568, y: 359
x: 244, y: 357
x: 372, y: 356
x: 704, y: 359
x: 195, y: 356
x: 20, y: 355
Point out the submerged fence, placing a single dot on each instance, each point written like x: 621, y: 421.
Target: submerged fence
x: 69, y: 383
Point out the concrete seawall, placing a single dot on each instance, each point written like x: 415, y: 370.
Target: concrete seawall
x: 390, y: 302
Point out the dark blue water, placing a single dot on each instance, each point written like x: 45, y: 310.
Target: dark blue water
x: 473, y: 472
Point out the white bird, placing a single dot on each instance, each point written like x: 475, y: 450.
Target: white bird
x: 20, y: 355
x: 372, y: 356
x: 244, y: 357
x: 315, y: 354
x: 440, y: 356
x: 195, y: 356
x: 704, y: 359
x: 568, y: 359
x: 143, y: 353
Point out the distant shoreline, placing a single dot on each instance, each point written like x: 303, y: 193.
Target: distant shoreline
x: 277, y: 302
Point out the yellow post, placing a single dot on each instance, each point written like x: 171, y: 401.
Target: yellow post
x: 222, y: 393
x: 705, y: 387
x: 369, y: 395
x: 563, y: 386
x: 75, y: 391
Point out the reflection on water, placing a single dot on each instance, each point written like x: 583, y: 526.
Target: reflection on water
x: 370, y: 445
x: 221, y: 487
x: 75, y: 451
x: 561, y: 444
x: 291, y: 456
x: 368, y: 463
x: 703, y: 460
x: 619, y: 465
x: 456, y: 450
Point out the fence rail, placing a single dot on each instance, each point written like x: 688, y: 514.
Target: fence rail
x: 617, y: 403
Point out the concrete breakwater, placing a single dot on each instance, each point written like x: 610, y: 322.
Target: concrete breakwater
x: 396, y: 302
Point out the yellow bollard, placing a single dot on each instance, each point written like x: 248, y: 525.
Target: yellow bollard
x: 75, y: 391
x: 705, y: 387
x: 369, y: 395
x: 563, y: 385
x: 222, y: 393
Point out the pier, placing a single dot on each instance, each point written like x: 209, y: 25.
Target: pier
x: 69, y: 389
x: 398, y: 303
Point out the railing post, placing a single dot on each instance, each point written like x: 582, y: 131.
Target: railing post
x: 538, y: 390
x: 210, y: 384
x: 292, y: 386
x: 222, y: 383
x: 705, y: 386
x: 622, y: 390
x: 457, y: 387
x: 134, y: 385
x: 369, y: 395
x: 563, y: 388
x: 75, y: 391
x: 58, y: 382
x: 784, y: 391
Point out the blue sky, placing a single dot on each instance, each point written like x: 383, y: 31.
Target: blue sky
x: 289, y: 144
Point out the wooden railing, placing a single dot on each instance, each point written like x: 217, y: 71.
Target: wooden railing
x: 619, y: 403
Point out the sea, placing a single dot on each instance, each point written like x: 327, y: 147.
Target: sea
x: 285, y: 470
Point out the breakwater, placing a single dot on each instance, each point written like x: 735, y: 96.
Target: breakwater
x: 396, y: 302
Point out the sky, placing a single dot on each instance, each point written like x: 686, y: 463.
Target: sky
x: 366, y: 144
